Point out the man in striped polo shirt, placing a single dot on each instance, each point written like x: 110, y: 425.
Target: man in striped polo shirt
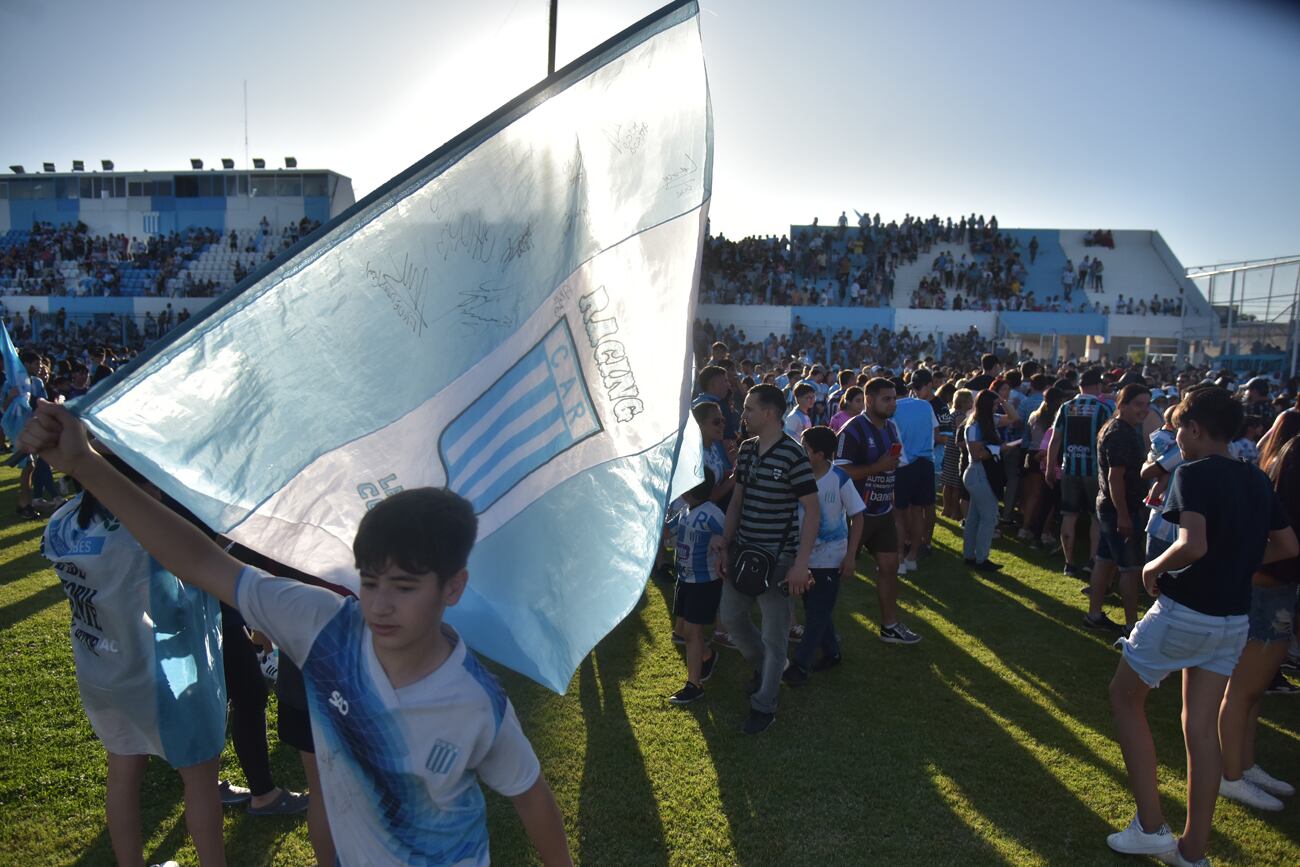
x: 773, y: 477
x: 1074, y: 450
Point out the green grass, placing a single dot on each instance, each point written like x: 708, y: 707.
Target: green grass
x: 988, y: 743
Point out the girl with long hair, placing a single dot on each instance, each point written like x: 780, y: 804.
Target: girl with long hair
x: 1274, y: 590
x: 982, y: 446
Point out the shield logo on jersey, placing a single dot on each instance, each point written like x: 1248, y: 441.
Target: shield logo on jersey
x: 537, y: 410
x: 442, y: 757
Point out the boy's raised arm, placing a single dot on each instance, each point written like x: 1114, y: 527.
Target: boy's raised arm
x: 60, y: 438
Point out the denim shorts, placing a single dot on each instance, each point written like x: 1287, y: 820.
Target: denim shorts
x: 1126, y: 554
x: 1272, y: 612
x: 1172, y: 637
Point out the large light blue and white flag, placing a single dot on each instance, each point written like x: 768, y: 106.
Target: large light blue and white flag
x: 509, y: 317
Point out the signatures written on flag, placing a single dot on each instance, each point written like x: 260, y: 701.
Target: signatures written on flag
x: 404, y: 284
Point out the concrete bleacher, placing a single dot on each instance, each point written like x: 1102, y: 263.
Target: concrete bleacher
x: 1135, y: 269
x: 217, y: 262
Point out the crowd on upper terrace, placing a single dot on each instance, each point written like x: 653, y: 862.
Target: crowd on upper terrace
x: 36, y: 265
x: 839, y: 266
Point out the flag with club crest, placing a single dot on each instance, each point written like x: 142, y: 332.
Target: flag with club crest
x: 510, y: 317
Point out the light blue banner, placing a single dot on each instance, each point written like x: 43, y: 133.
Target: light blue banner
x: 508, y: 318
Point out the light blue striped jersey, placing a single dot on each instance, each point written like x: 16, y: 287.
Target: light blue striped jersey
x: 695, y: 528
x: 399, y: 767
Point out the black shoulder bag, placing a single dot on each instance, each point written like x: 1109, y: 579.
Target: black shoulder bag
x: 753, y: 569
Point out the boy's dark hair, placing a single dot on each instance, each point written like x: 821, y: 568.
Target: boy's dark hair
x: 701, y: 492
x: 1213, y: 408
x: 1013, y: 378
x: 878, y: 384
x: 803, y: 388
x: 921, y: 378
x: 899, y: 385
x: 703, y: 410
x: 707, y: 375
x: 821, y: 439
x: 988, y: 361
x: 1040, y: 382
x: 417, y: 530
x: 770, y: 397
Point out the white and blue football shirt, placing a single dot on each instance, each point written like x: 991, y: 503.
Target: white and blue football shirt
x: 147, y: 647
x: 840, y: 502
x: 399, y: 767
x: 696, y: 564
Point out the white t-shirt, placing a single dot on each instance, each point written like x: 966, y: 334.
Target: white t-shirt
x: 839, y: 501
x: 796, y: 422
x: 399, y: 767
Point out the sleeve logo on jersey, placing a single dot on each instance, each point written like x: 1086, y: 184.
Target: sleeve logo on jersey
x: 339, y: 703
x: 442, y: 758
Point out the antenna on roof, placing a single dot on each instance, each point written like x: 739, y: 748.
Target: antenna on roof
x: 245, y: 124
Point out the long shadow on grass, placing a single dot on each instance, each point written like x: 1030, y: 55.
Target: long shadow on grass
x: 616, y: 804
x: 159, y: 796
x: 1069, y: 671
x: 20, y: 536
x: 17, y: 612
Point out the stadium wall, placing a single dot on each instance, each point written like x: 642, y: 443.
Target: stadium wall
x: 80, y: 308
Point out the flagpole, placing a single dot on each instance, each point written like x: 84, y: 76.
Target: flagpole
x: 550, y: 46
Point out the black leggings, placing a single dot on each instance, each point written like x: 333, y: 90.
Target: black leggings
x: 247, y: 693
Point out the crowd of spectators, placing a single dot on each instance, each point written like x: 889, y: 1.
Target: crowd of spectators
x: 102, y: 329
x: 873, y: 346
x: 831, y: 266
x: 101, y: 264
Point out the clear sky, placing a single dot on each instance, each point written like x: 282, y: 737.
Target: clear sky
x: 1177, y: 115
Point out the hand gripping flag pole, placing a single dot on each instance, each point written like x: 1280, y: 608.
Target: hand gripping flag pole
x: 509, y: 317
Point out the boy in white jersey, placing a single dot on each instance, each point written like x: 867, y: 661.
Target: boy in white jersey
x: 799, y: 419
x: 833, y: 559
x: 404, y: 718
x: 699, y: 586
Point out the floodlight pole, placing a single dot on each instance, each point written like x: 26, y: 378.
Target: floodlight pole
x: 1295, y: 323
x: 550, y: 44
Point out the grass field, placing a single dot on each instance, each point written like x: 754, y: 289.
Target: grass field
x: 990, y: 742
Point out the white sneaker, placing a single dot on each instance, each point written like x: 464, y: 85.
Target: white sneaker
x: 1178, y: 860
x: 1245, y: 792
x: 1134, y: 841
x: 907, y: 566
x: 1270, y: 784
x: 167, y: 864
